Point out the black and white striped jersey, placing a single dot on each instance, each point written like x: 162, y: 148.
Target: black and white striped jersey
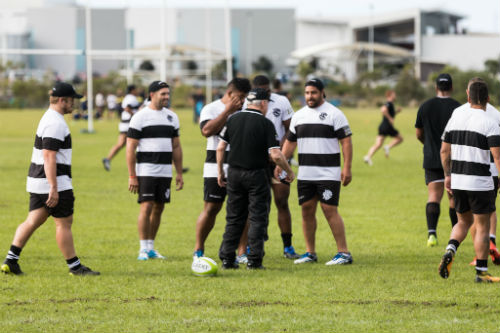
x: 209, y: 112
x: 52, y: 134
x: 495, y: 115
x: 317, y: 131
x: 471, y: 133
x: 155, y: 130
x: 279, y: 110
x: 128, y: 100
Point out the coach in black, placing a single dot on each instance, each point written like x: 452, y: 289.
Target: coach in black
x: 253, y: 141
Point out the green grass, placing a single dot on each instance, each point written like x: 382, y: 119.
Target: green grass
x: 393, y: 285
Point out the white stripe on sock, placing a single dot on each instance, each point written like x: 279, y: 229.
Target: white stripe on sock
x: 76, y: 263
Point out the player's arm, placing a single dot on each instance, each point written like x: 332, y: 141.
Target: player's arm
x: 385, y: 112
x: 50, y: 168
x: 219, y: 155
x: 177, y: 159
x: 214, y: 126
x: 133, y: 184
x: 287, y: 151
x: 286, y: 125
x: 346, y: 174
x: 420, y: 134
x: 280, y: 160
x: 446, y: 163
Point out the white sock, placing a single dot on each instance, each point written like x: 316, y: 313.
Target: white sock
x: 493, y: 236
x: 144, y: 245
x: 151, y: 244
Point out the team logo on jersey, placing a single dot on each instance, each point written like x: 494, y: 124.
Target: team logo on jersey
x: 347, y: 131
x: 327, y: 195
x: 167, y: 194
x: 170, y: 118
x: 276, y: 112
x: 322, y: 116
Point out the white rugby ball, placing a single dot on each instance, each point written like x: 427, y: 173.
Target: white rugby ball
x: 204, y: 266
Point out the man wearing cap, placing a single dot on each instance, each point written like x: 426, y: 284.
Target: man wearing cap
x: 317, y: 129
x: 152, y: 145
x: 432, y: 117
x: 253, y: 141
x: 130, y: 105
x: 49, y: 184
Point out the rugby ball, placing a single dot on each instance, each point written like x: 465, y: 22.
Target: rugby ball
x: 204, y: 266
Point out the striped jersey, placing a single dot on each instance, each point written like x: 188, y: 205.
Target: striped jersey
x: 209, y: 112
x: 128, y: 100
x: 52, y: 134
x: 471, y: 133
x: 317, y: 132
x: 155, y: 130
x: 495, y: 115
x: 279, y: 110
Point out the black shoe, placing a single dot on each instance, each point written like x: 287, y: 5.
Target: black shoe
x: 230, y: 264
x: 83, y: 270
x: 254, y: 265
x: 184, y: 170
x: 11, y: 268
x: 445, y: 265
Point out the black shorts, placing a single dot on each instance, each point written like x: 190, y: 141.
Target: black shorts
x: 154, y: 189
x: 327, y: 191
x: 387, y: 131
x: 64, y: 207
x: 479, y: 202
x: 434, y: 175
x: 212, y: 192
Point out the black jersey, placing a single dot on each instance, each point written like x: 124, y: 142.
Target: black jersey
x: 432, y: 117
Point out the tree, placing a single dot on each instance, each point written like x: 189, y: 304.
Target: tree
x: 147, y: 65
x: 304, y: 69
x: 408, y: 87
x: 492, y: 66
x: 263, y: 64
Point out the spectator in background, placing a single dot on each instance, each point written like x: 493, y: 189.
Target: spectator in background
x: 197, y: 101
x: 100, y: 105
x: 111, y: 102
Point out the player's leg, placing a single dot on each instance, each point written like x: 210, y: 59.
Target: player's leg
x: 154, y: 226
x: 435, y: 191
x: 143, y: 227
x: 336, y: 226
x: 243, y: 247
x: 281, y: 193
x: 122, y: 140
x: 482, y: 248
x: 309, y: 224
x: 24, y: 231
x: 205, y: 223
x: 379, y: 141
x: 398, y: 139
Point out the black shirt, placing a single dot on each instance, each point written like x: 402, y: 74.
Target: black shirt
x: 392, y: 112
x: 432, y: 117
x: 250, y: 135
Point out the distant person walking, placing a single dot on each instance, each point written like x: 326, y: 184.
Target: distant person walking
x: 130, y: 105
x: 432, y: 117
x: 152, y: 145
x: 50, y: 184
x: 386, y: 128
x: 468, y: 139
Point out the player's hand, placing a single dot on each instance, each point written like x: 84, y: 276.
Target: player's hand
x: 221, y: 180
x: 133, y: 184
x: 179, y: 182
x: 53, y: 198
x: 290, y: 176
x: 235, y: 104
x: 447, y: 184
x: 345, y: 176
x: 277, y: 172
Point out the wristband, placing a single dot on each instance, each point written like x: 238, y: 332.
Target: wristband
x: 132, y: 176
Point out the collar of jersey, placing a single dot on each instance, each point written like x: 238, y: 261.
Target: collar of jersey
x: 252, y: 111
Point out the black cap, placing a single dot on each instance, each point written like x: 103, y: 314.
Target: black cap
x: 157, y: 85
x: 63, y: 89
x: 130, y: 87
x: 443, y: 82
x: 315, y: 83
x: 258, y: 94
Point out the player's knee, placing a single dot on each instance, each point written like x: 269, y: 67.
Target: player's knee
x: 281, y: 203
x: 212, y: 209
